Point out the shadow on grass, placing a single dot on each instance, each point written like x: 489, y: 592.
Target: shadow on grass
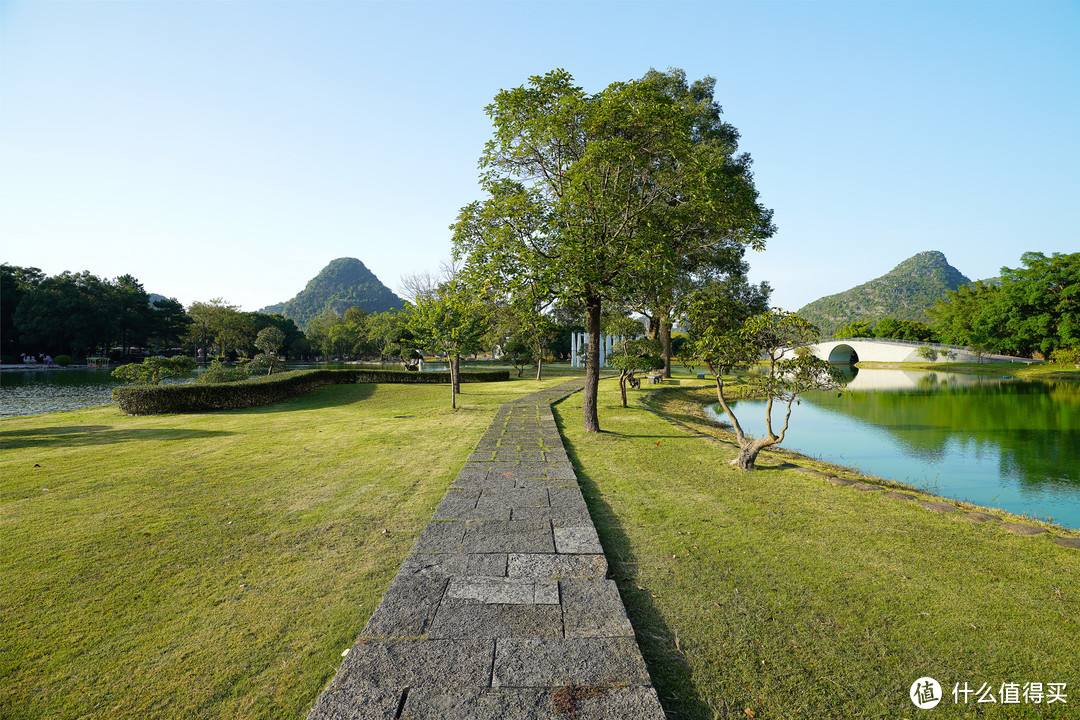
x: 668, y: 667
x: 83, y: 435
x: 320, y: 398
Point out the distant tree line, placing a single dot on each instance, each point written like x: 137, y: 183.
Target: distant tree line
x: 82, y: 315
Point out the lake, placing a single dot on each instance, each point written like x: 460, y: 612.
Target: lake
x: 997, y: 442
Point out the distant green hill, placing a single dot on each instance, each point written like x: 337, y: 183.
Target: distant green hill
x: 344, y: 283
x: 905, y: 293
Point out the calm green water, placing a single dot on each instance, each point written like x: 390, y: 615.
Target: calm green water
x: 35, y: 392
x: 992, y: 441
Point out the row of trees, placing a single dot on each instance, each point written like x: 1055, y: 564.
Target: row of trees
x: 80, y: 314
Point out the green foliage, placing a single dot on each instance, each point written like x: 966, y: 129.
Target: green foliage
x: 263, y: 390
x: 1065, y: 356
x: 1035, y: 308
x: 895, y: 329
x: 269, y: 340
x: 153, y: 370
x: 342, y: 284
x: 855, y: 329
x: 218, y: 372
x: 928, y: 352
x: 63, y: 360
x: 907, y: 292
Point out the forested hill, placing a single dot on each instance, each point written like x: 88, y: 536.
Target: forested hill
x: 905, y: 293
x: 343, y: 283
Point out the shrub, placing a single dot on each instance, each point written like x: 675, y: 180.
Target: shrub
x: 263, y: 390
x: 1065, y: 356
x: 63, y: 360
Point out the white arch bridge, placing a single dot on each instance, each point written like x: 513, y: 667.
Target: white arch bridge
x: 848, y: 351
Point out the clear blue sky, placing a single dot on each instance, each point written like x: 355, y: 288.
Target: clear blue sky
x: 232, y: 149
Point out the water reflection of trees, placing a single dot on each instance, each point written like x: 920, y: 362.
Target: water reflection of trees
x: 1033, y: 426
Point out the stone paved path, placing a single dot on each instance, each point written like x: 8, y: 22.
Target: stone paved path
x: 502, y: 610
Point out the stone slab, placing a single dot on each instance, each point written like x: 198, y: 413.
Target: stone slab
x: 408, y: 606
x: 604, y: 703
x: 556, y: 566
x: 362, y: 704
x: 578, y: 515
x: 415, y: 663
x: 447, y: 564
x: 512, y: 498
x: 535, y: 662
x: 457, y: 504
x: 440, y: 536
x: 843, y: 482
x: 470, y: 619
x: 896, y: 495
x: 981, y: 517
x: 867, y: 487
x: 593, y: 608
x: 504, y: 591
x: 507, y: 536
x: 1069, y: 542
x: 938, y: 507
x: 576, y: 539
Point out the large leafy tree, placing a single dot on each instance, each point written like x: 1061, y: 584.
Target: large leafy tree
x: 15, y: 283
x: 71, y: 312
x: 1043, y: 300
x: 576, y: 184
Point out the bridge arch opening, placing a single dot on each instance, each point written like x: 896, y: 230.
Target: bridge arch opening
x: 843, y: 355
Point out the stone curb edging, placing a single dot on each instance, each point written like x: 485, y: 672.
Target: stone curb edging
x: 503, y: 609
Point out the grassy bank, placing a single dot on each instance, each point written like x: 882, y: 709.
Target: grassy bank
x: 778, y: 593
x: 213, y: 565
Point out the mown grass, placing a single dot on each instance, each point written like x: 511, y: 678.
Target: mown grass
x: 778, y: 594
x: 213, y: 565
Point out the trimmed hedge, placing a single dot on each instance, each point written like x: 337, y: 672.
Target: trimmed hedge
x: 198, y: 397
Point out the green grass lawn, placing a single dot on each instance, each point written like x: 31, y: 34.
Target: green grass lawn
x: 216, y: 565
x: 778, y: 593
x: 1040, y: 370
x: 213, y: 565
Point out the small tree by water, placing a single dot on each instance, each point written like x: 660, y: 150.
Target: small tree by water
x: 763, y: 338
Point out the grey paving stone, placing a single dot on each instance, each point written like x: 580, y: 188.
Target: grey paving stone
x: 416, y: 663
x: 938, y: 507
x: 575, y: 539
x: 457, y: 504
x: 532, y: 662
x: 981, y: 517
x: 470, y: 619
x: 612, y: 703
x: 578, y: 515
x: 867, y: 487
x: 1069, y: 542
x: 561, y: 470
x: 513, y: 498
x: 363, y: 704
x: 536, y: 565
x: 568, y: 496
x: 440, y: 537
x: 896, y: 495
x: 593, y: 608
x: 408, y: 606
x: 507, y: 536
x: 448, y: 564
x: 505, y: 591
x: 518, y: 456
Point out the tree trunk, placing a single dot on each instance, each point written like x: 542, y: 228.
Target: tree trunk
x: 453, y: 386
x: 540, y: 368
x: 622, y: 387
x: 665, y: 337
x: 592, y: 365
x: 455, y: 374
